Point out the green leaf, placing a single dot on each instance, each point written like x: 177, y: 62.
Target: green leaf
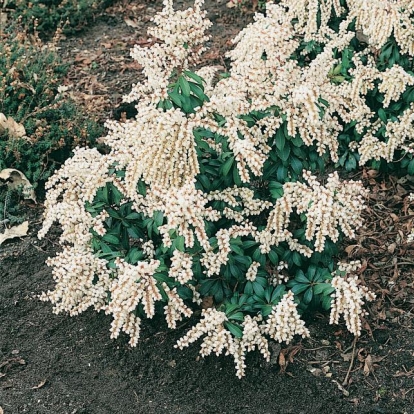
x: 281, y: 173
x: 351, y: 163
x: 179, y: 243
x: 109, y: 238
x: 277, y: 293
x: 134, y: 255
x: 297, y: 259
x: 198, y: 91
x: 410, y: 168
x: 258, y: 289
x: 158, y: 218
x: 320, y: 287
x: 184, y: 86
x: 284, y: 152
x: 175, y: 97
x: 296, y: 165
x: 238, y: 316
x: 142, y: 189
x: 225, y: 168
x: 234, y: 329
x: 300, y: 277
x: 273, y: 257
x: 248, y: 289
x: 299, y: 287
x: 105, y: 248
x: 236, y: 177
x: 280, y: 139
x: 249, y: 243
x: 194, y: 76
x: 307, y: 297
x: 382, y: 115
x: 326, y: 302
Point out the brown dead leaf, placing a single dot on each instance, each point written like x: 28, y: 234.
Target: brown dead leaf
x: 391, y: 248
x: 15, y: 179
x: 282, y: 361
x: 207, y: 302
x: 40, y: 385
x: 368, y: 366
x: 351, y: 249
x: 3, y: 21
x: 8, y: 363
x: 131, y: 23
x: 14, y: 129
x: 13, y: 232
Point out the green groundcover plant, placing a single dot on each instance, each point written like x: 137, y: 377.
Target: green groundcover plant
x: 46, y: 16
x: 39, y: 124
x: 230, y: 190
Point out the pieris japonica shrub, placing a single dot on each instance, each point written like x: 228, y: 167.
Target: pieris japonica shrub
x: 227, y: 189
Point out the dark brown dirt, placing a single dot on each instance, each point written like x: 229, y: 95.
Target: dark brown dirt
x: 57, y: 364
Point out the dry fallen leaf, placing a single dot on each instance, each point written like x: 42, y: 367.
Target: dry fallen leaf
x: 368, y: 367
x: 131, y: 23
x: 40, y: 385
x: 207, y: 302
x: 14, y: 129
x: 15, y: 179
x: 16, y: 231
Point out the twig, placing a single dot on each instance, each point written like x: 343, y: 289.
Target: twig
x: 345, y: 381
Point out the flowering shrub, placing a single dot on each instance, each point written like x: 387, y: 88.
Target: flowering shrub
x: 226, y: 190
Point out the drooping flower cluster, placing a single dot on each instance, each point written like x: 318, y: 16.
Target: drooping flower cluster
x: 182, y: 35
x: 134, y: 285
x: 284, y: 322
x: 348, y: 300
x: 82, y: 280
x: 338, y: 204
x: 68, y: 191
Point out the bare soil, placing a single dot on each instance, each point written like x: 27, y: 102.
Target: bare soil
x: 57, y: 364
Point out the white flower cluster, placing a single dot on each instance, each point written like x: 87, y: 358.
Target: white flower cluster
x: 338, y: 204
x: 239, y: 210
x: 181, y: 267
x: 67, y: 192
x: 399, y: 133
x: 185, y: 211
x: 175, y: 308
x: 380, y: 19
x: 82, y: 280
x: 133, y: 285
x: 284, y: 322
x: 394, y: 82
x: 252, y: 271
x: 282, y: 325
x: 182, y: 36
x: 276, y: 275
x: 347, y: 300
x: 213, y: 261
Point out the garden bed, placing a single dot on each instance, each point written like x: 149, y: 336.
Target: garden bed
x: 57, y: 364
